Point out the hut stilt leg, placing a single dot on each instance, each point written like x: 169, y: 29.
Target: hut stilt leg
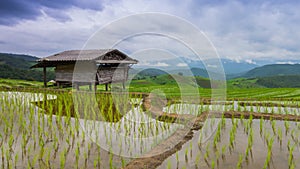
x: 106, y: 86
x: 95, y: 87
x: 45, y: 76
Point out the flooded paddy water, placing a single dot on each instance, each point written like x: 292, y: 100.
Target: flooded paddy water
x: 177, y: 136
x: 221, y: 154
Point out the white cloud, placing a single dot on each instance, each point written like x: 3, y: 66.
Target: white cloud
x: 161, y: 64
x: 182, y: 65
x: 152, y: 64
x: 236, y: 59
x: 144, y: 64
x: 212, y: 66
x: 250, y: 61
x: 289, y: 62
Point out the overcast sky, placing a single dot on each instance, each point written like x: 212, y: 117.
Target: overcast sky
x: 240, y: 30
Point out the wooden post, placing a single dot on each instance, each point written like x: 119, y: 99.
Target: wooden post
x: 95, y: 87
x: 45, y: 76
x: 90, y: 86
x: 123, y: 84
x: 106, y: 86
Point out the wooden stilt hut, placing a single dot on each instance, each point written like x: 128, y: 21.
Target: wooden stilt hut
x: 87, y: 67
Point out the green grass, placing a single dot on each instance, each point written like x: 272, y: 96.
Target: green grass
x: 171, y: 89
x: 243, y: 83
x: 13, y: 83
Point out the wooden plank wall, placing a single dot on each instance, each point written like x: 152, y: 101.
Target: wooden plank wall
x: 87, y: 73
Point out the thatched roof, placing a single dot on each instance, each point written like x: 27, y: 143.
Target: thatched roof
x: 96, y: 55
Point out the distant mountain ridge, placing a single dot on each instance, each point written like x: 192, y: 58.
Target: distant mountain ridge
x: 230, y: 66
x: 21, y: 56
x: 17, y: 60
x: 16, y: 66
x: 263, y: 71
x: 283, y: 81
x: 273, y: 70
x: 157, y: 72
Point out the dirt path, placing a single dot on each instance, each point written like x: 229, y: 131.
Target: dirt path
x: 255, y: 115
x: 168, y: 147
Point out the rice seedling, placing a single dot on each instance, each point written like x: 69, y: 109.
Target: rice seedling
x: 177, y: 156
x: 169, y: 166
x: 3, y: 157
x: 77, y: 153
x: 85, y: 155
x: 274, y: 126
x: 47, y: 160
x: 261, y: 126
x: 217, y: 135
x: 287, y: 126
x: 196, y: 160
x: 223, y: 151
x: 16, y: 160
x: 279, y: 136
x: 186, y: 154
x: 213, y: 164
x: 291, y: 157
x: 63, y: 158
x: 239, y: 164
x: 232, y: 135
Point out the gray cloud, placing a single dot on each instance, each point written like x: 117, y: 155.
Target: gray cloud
x: 261, y: 29
x: 243, y: 30
x: 14, y: 11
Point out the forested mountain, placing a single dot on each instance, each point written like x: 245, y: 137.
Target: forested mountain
x: 15, y: 66
x: 273, y: 70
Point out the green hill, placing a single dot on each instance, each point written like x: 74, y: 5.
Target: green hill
x: 190, y: 72
x: 269, y: 76
x: 15, y: 66
x: 273, y: 70
x: 289, y: 81
x: 17, y: 61
x: 283, y: 81
x: 242, y: 83
x: 185, y: 72
x: 173, y: 80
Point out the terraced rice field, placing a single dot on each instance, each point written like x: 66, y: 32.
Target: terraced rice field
x: 68, y: 129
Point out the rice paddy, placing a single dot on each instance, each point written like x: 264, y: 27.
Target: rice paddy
x: 72, y: 129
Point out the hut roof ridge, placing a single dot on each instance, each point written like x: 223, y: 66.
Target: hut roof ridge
x: 102, y: 56
x: 78, y: 55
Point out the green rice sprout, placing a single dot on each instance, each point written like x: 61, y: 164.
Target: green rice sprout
x: 239, y: 164
x: 63, y: 156
x: 279, y: 136
x: 291, y: 157
x: 287, y: 126
x: 169, y: 165
x: 213, y: 164
x: 261, y: 125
